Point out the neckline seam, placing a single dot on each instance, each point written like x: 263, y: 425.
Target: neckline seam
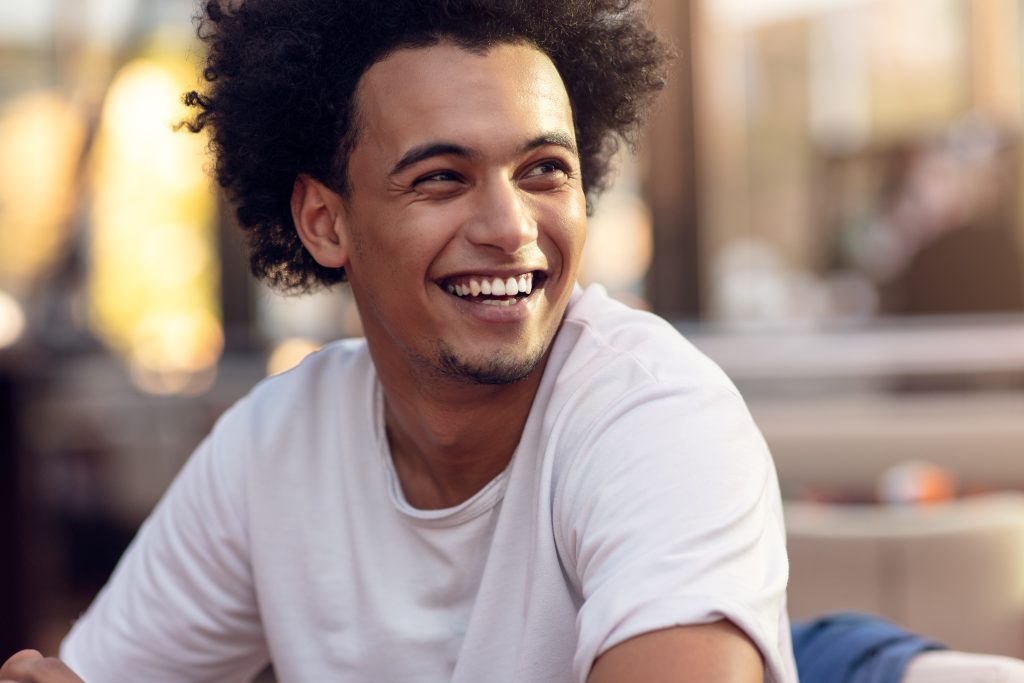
x: 484, y: 500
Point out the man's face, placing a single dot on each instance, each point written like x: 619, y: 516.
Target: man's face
x: 466, y: 217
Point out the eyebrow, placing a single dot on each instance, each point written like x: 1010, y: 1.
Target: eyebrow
x: 425, y: 151
x: 556, y: 138
x: 442, y: 148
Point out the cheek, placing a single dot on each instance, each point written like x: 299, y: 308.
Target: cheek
x: 570, y: 229
x: 390, y: 246
x: 422, y: 237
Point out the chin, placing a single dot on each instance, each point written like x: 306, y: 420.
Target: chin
x: 498, y: 369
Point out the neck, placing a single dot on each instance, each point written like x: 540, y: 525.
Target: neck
x: 448, y: 438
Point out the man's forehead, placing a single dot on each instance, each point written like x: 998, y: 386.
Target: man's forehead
x: 445, y: 92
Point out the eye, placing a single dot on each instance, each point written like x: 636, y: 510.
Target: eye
x: 438, y: 185
x: 438, y: 177
x: 546, y: 168
x: 547, y: 175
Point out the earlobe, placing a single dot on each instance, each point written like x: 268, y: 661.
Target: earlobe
x: 319, y: 221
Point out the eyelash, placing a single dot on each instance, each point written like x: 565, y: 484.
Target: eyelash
x: 555, y: 164
x: 434, y: 176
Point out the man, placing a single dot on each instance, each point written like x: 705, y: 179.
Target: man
x: 511, y: 478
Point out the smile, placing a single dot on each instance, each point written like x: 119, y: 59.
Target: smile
x: 493, y: 291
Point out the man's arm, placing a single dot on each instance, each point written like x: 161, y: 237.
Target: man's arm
x: 181, y: 604
x: 679, y: 526
x: 706, y: 653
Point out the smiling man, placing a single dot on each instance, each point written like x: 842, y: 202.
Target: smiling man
x: 511, y: 478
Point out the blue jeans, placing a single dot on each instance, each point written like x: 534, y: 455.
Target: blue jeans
x: 854, y: 648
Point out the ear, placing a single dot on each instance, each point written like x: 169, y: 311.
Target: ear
x: 318, y: 213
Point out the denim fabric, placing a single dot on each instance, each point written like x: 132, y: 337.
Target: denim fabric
x: 854, y: 648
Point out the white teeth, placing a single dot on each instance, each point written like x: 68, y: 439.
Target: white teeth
x: 496, y: 287
x: 498, y: 302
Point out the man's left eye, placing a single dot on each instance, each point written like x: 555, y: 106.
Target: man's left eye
x: 547, y: 175
x: 546, y: 168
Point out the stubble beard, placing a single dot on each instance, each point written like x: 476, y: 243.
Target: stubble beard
x: 501, y: 369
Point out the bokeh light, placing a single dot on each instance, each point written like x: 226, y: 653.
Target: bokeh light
x: 40, y: 142
x: 12, y: 320
x: 154, y: 277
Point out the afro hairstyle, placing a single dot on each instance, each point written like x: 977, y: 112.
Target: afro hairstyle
x: 281, y: 76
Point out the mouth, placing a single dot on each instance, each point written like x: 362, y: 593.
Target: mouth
x: 494, y: 290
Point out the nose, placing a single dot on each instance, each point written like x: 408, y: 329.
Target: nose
x: 502, y: 218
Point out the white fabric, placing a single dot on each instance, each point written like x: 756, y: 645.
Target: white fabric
x: 641, y: 496
x: 949, y: 666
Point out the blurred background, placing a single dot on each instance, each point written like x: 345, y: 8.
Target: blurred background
x: 828, y: 202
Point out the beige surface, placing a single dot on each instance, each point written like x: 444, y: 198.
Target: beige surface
x: 953, y: 572
x: 846, y: 442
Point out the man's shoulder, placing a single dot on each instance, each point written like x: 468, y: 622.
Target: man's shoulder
x: 604, y: 336
x: 615, y: 369
x: 329, y: 378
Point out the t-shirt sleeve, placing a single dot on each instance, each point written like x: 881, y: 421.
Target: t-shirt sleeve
x: 181, y: 604
x: 670, y: 515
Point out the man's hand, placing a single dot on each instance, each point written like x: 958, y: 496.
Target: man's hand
x: 29, y: 666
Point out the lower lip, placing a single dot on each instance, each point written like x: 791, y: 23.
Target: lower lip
x: 489, y: 313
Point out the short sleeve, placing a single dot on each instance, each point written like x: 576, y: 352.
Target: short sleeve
x: 181, y: 604
x: 670, y: 515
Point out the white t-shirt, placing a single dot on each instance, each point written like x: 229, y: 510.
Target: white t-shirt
x: 641, y: 496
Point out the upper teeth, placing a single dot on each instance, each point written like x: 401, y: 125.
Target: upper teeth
x: 510, y: 286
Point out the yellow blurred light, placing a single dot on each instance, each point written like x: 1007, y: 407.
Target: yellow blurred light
x: 12, y: 320
x: 154, y: 281
x: 289, y: 353
x: 176, y: 353
x: 41, y: 139
x: 173, y: 244
x: 168, y: 382
x: 189, y: 342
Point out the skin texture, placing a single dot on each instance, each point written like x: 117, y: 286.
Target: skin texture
x: 503, y: 196
x: 29, y: 666
x: 715, y: 653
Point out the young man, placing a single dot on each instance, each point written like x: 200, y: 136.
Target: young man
x: 511, y: 478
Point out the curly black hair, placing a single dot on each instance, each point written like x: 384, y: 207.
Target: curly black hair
x: 281, y: 77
